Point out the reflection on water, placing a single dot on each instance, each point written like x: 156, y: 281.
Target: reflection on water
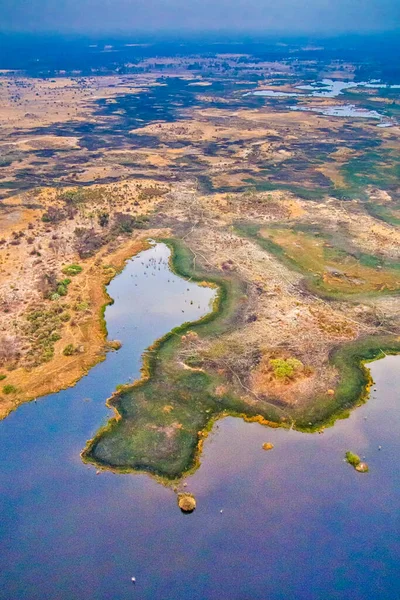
x: 297, y: 522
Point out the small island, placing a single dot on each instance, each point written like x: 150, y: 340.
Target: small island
x: 267, y: 446
x: 186, y: 502
x: 355, y: 461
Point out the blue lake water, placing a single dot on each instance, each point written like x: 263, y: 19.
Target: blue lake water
x: 342, y: 110
x: 329, y: 88
x: 297, y: 522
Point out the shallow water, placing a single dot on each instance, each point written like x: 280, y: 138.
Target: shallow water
x: 272, y: 94
x: 342, y: 110
x: 297, y: 522
x: 329, y: 88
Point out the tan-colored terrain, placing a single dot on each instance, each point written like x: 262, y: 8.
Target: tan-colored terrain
x: 97, y: 209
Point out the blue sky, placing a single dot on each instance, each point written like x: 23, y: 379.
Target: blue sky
x: 280, y: 16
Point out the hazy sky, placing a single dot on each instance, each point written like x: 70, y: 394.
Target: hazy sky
x: 91, y: 16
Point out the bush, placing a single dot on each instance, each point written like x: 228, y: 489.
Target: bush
x: 2, y: 377
x: 82, y: 306
x: 61, y: 290
x: 53, y: 215
x: 73, y: 197
x: 72, y: 270
x: 87, y: 242
x: 9, y: 389
x: 103, y: 219
x: 124, y: 223
x: 69, y: 350
x: 352, y: 459
x: 286, y: 368
x: 47, y: 284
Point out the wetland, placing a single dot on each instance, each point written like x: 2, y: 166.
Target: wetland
x: 199, y: 261
x: 92, y: 531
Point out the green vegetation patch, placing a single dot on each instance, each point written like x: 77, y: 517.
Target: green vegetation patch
x: 286, y: 368
x: 355, y: 461
x: 379, y: 167
x: 43, y: 328
x: 72, y: 270
x: 69, y: 350
x: 355, y: 379
x: 332, y: 266
x: 9, y: 389
x: 352, y: 459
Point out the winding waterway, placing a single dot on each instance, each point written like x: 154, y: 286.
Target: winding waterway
x: 296, y: 522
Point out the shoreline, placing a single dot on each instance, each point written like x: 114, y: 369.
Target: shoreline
x: 64, y: 372
x: 353, y: 355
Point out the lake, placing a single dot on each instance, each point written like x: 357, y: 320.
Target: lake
x: 296, y: 523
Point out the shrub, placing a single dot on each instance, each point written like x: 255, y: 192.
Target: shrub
x: 9, y: 349
x: 2, y: 377
x: 9, y: 389
x: 72, y: 270
x: 82, y: 306
x: 53, y: 215
x: 61, y: 290
x: 286, y: 368
x: 103, y: 219
x: 124, y: 223
x: 69, y: 350
x: 352, y: 459
x: 62, y: 287
x: 87, y: 241
x: 151, y: 192
x: 73, y: 197
x: 47, y: 284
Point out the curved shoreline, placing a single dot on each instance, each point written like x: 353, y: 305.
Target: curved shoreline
x: 350, y: 359
x: 149, y: 360
x: 36, y: 379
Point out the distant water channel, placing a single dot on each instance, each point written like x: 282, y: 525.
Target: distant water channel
x: 328, y: 88
x: 296, y: 523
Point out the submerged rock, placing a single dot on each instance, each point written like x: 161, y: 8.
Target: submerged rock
x: 186, y: 502
x: 267, y: 446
